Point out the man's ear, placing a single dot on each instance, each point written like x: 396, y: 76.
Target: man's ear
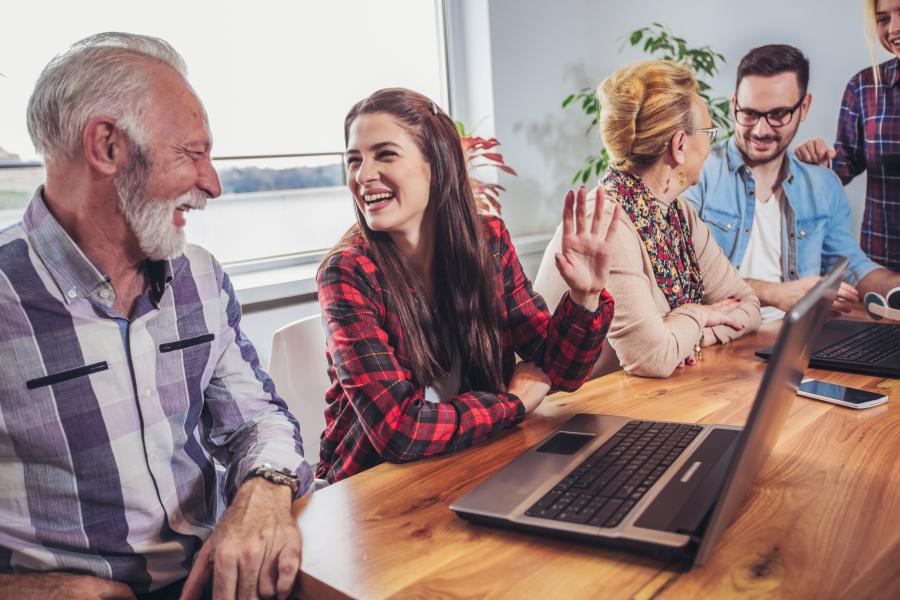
x: 676, y: 146
x: 105, y: 147
x: 805, y: 106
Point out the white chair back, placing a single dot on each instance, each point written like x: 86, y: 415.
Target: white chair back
x: 299, y: 369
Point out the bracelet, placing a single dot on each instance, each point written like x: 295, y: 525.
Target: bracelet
x: 698, y: 352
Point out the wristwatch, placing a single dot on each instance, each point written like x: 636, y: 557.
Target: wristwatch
x: 278, y: 476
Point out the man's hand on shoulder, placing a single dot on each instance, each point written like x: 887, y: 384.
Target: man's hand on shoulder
x: 254, y: 551
x: 815, y: 152
x: 62, y: 586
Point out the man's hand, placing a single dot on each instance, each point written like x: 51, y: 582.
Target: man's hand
x: 815, y: 152
x: 879, y: 280
x: 61, y: 586
x: 255, y: 549
x: 785, y: 295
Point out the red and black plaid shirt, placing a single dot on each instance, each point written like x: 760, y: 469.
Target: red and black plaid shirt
x: 376, y: 412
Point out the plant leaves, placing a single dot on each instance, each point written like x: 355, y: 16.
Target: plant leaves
x: 658, y: 41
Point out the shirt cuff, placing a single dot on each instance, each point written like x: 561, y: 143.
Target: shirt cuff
x: 580, y: 316
x: 854, y: 275
x: 303, y: 472
x: 519, y: 415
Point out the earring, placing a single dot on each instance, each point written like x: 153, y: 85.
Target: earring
x: 680, y: 179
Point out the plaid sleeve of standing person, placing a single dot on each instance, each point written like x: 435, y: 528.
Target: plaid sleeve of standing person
x: 868, y: 139
x: 567, y: 344
x: 389, y: 408
x: 850, y: 159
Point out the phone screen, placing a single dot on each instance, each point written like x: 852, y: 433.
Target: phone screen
x: 838, y: 392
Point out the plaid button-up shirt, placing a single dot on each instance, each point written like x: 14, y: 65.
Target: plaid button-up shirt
x: 108, y: 426
x: 868, y: 139
x: 377, y: 412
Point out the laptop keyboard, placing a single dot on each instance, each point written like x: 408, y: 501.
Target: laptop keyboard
x: 868, y: 346
x: 607, y: 484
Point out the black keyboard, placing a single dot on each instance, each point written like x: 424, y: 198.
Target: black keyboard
x: 607, y: 484
x: 869, y: 345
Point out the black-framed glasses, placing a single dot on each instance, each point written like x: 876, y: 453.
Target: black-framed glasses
x: 711, y: 132
x: 777, y: 117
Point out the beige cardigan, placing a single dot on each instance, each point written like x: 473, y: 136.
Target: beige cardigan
x: 646, y: 337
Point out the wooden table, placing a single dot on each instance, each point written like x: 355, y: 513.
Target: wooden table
x: 822, y: 521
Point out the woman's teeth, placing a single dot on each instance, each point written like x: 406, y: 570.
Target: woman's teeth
x: 372, y: 198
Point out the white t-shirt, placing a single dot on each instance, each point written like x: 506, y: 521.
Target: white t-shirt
x: 763, y: 257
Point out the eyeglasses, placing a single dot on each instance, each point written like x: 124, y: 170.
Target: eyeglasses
x: 777, y: 117
x: 711, y: 132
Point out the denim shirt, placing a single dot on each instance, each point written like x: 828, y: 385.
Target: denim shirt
x: 816, y: 224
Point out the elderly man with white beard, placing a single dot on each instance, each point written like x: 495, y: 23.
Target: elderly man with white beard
x: 124, y: 375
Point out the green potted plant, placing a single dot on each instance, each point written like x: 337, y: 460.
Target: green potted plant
x: 659, y: 42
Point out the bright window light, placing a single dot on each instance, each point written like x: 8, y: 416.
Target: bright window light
x: 276, y: 78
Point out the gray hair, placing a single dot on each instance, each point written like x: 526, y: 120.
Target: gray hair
x: 104, y: 74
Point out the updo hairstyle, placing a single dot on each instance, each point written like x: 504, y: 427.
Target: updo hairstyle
x: 642, y: 106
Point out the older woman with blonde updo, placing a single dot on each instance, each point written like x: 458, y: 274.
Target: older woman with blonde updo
x: 675, y: 290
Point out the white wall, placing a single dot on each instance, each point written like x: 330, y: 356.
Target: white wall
x: 541, y: 51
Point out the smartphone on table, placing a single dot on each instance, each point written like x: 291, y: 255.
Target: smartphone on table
x: 839, y: 394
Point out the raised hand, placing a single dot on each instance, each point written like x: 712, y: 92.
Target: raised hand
x: 584, y: 260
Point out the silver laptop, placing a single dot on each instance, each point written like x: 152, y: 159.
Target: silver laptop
x: 666, y: 488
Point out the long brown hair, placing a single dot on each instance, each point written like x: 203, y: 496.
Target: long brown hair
x: 466, y: 316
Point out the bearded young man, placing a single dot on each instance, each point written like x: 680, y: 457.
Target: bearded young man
x: 124, y: 375
x: 780, y: 221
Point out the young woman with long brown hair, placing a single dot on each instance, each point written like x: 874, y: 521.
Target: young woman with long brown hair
x: 425, y: 303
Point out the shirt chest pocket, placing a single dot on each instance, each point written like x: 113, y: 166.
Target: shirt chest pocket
x: 186, y: 343
x: 724, y: 228
x: 810, y: 235
x: 193, y: 351
x: 55, y: 410
x: 66, y: 375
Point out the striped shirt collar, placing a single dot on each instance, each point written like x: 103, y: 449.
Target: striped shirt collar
x: 73, y: 272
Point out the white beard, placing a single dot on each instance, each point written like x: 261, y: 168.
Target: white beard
x: 151, y: 218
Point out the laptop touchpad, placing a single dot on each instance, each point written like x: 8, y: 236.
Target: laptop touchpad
x: 565, y: 443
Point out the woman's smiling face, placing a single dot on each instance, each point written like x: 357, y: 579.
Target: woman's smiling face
x: 887, y: 24
x: 387, y: 174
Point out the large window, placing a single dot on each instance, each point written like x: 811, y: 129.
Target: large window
x: 277, y: 79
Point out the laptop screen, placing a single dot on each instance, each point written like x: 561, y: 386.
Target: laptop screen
x: 790, y: 358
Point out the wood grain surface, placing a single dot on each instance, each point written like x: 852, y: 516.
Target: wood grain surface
x: 822, y: 520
